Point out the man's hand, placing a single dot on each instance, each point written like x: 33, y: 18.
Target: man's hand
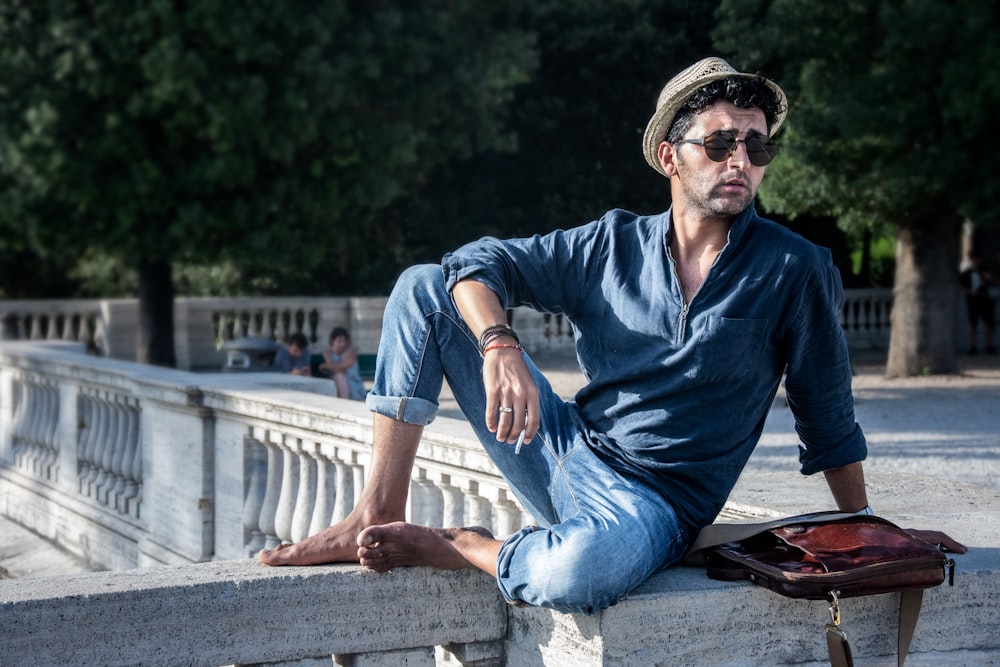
x: 938, y: 538
x: 511, y: 396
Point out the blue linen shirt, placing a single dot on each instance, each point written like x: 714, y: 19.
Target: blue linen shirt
x: 677, y: 394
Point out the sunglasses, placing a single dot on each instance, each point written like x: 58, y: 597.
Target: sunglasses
x: 722, y: 143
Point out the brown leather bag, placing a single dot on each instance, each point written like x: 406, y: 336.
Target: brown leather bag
x: 828, y: 556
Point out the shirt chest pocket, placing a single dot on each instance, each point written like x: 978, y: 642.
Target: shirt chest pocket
x: 726, y: 349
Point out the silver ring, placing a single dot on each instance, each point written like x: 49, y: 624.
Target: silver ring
x: 503, y: 409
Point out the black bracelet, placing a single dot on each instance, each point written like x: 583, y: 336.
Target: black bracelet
x: 493, y: 332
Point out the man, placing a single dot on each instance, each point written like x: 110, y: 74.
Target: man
x: 293, y: 357
x: 684, y: 322
x: 976, y: 283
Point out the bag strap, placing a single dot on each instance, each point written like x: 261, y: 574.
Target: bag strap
x: 839, y: 648
x: 909, y: 612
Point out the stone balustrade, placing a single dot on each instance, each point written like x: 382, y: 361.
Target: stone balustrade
x: 129, y: 465
x: 866, y: 318
x: 186, y: 475
x: 202, y: 325
x: 77, y: 320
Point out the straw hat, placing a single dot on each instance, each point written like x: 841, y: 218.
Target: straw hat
x: 680, y: 89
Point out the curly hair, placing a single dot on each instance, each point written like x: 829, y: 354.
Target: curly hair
x: 741, y: 91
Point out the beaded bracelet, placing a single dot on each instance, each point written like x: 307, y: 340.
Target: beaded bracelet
x: 493, y: 332
x: 513, y: 346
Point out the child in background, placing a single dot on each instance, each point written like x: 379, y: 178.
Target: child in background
x: 340, y: 363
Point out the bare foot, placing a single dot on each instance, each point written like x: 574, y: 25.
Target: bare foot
x: 400, y: 544
x: 336, y: 544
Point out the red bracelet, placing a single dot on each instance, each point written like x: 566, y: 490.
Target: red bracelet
x: 513, y: 346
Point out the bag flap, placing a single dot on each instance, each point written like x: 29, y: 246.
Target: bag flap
x: 721, y: 533
x: 855, y: 542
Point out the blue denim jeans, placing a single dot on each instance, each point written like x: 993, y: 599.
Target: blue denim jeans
x: 600, y: 533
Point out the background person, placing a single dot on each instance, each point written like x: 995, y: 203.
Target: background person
x: 980, y: 306
x: 340, y: 363
x: 293, y: 356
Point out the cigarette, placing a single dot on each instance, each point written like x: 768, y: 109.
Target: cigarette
x: 520, y: 441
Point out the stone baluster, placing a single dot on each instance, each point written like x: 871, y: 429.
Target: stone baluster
x: 18, y: 417
x: 426, y: 500
x: 272, y: 493
x: 133, y: 467
x: 480, y: 510
x: 289, y: 489
x: 84, y: 438
x: 453, y: 502
x: 29, y: 426
x: 251, y: 317
x: 36, y: 328
x: 285, y: 320
x: 116, y: 483
x: 49, y: 463
x: 40, y: 413
x: 48, y: 416
x: 305, y: 499
x: 26, y: 411
x: 326, y: 488
x: 344, y: 474
x: 97, y: 472
x: 86, y: 329
x: 52, y: 330
x: 256, y: 470
x: 124, y: 462
x: 222, y: 332
x: 358, y: 475
x: 106, y: 477
x: 508, y: 515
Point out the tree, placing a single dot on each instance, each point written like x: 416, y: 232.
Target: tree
x: 263, y: 133
x: 578, y: 123
x: 889, y: 112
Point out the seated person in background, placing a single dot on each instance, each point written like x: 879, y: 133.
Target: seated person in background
x: 293, y: 357
x: 340, y: 363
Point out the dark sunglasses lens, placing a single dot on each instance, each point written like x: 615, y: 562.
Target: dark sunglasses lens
x: 761, y: 151
x: 719, y: 146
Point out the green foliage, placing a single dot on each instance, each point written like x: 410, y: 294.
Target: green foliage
x: 266, y: 135
x: 882, y: 261
x: 890, y: 102
x: 578, y: 123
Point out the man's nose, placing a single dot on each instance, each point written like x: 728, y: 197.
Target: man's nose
x: 739, y: 154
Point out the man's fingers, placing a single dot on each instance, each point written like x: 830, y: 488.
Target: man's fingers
x: 937, y: 537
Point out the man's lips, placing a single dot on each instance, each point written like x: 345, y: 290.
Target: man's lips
x: 734, y: 183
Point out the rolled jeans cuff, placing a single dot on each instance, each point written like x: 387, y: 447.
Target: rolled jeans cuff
x: 504, y: 564
x: 409, y: 409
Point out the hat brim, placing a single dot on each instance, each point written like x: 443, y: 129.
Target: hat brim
x: 659, y: 124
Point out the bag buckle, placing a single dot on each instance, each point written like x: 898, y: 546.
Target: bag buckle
x: 834, y: 598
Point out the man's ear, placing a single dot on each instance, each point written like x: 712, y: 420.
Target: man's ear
x: 666, y: 155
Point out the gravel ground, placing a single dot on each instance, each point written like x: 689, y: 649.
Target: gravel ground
x: 943, y: 426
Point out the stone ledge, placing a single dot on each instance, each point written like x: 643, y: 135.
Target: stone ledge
x: 242, y: 612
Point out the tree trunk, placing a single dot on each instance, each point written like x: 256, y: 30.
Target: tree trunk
x: 155, y: 335
x: 925, y: 296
